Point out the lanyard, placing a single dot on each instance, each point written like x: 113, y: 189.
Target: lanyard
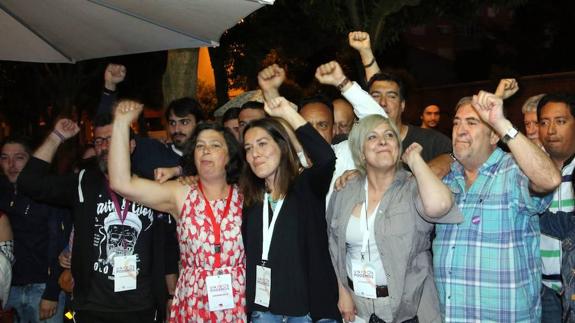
x: 215, y: 224
x: 267, y: 227
x: 363, y: 221
x: 122, y: 214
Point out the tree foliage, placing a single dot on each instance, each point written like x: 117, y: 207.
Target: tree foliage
x: 303, y: 34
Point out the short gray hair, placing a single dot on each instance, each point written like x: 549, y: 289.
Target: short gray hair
x: 463, y: 101
x: 359, y: 133
x: 530, y: 104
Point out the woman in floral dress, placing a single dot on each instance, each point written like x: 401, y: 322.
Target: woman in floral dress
x: 209, y: 218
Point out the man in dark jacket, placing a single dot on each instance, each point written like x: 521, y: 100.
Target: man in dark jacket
x: 38, y: 238
x: 120, y: 259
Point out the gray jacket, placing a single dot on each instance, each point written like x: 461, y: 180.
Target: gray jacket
x: 403, y: 238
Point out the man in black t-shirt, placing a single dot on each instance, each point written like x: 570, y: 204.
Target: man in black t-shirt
x: 390, y: 93
x: 120, y: 262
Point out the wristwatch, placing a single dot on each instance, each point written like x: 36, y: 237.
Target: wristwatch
x: 510, y: 134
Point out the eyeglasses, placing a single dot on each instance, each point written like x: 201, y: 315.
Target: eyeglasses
x: 100, y: 141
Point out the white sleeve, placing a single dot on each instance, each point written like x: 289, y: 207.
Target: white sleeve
x: 363, y: 104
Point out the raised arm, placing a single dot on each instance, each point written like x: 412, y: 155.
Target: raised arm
x: 541, y: 171
x: 63, y: 130
x: 281, y: 108
x: 162, y: 197
x: 318, y: 150
x: 363, y: 104
x: 359, y: 40
x: 113, y: 75
x: 435, y: 196
x: 270, y: 79
x: 506, y: 88
x: 35, y: 179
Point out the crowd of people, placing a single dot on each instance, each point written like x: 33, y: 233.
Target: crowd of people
x: 320, y: 211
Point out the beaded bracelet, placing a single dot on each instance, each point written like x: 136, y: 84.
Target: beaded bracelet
x: 59, y: 135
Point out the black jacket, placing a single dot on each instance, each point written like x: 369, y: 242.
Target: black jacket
x: 303, y: 278
x: 40, y: 233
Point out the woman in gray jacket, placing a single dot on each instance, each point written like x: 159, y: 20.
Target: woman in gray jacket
x: 380, y: 225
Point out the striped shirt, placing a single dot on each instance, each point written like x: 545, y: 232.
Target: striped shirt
x: 488, y: 267
x: 563, y: 200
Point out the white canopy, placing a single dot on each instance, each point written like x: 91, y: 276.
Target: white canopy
x: 56, y: 31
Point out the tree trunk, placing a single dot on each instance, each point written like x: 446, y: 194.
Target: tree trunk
x: 220, y: 75
x: 181, y: 75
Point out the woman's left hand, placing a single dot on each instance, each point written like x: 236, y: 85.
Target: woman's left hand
x: 279, y: 107
x: 411, y: 154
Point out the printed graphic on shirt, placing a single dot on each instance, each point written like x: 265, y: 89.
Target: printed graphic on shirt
x: 114, y: 237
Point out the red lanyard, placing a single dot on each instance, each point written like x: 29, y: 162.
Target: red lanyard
x: 122, y: 214
x: 215, y: 224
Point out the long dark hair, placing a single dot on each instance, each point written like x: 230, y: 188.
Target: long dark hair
x: 236, y: 159
x: 254, y: 187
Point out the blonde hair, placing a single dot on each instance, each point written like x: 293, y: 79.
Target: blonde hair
x: 359, y: 133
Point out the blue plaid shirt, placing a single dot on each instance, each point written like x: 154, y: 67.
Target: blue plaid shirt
x: 488, y: 267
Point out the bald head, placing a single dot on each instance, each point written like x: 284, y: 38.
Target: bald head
x: 320, y: 116
x: 343, y: 116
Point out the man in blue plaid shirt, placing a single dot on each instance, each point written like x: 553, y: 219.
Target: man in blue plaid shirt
x: 487, y: 269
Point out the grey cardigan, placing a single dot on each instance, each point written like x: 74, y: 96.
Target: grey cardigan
x: 403, y: 238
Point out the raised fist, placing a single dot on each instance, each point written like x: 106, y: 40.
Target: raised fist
x: 278, y: 107
x: 359, y: 40
x: 128, y: 110
x: 489, y: 107
x: 113, y: 75
x: 506, y: 88
x: 271, y: 77
x: 330, y: 73
x: 67, y: 128
x: 412, y: 152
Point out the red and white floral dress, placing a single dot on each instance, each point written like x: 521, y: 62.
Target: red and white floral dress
x: 196, y: 240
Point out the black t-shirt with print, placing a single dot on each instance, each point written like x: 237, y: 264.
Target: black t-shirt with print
x: 112, y: 237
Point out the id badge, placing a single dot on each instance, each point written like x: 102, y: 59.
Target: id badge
x: 125, y: 273
x: 220, y: 292
x: 263, y: 285
x: 358, y: 320
x: 363, y: 276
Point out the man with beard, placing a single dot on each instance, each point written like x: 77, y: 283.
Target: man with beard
x: 430, y: 117
x: 182, y: 116
x: 120, y: 259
